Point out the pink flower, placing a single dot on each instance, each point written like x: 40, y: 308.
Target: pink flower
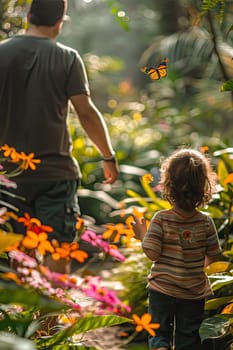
x: 3, y: 210
x: 6, y: 182
x: 97, y: 241
x: 90, y: 237
x: 23, y: 258
x: 107, y: 297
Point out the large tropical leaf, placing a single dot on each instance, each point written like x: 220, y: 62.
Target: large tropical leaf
x: 216, y: 326
x: 187, y: 52
x: 11, y: 293
x: 8, y: 239
x: 83, y: 325
x: 219, y: 281
x: 21, y: 324
x: 218, y: 267
x: 222, y: 172
x: 215, y: 303
x: 12, y: 341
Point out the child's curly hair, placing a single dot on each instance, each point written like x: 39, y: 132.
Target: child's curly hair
x: 187, y: 179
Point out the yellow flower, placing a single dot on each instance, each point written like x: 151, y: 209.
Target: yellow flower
x: 144, y: 323
x: 147, y: 178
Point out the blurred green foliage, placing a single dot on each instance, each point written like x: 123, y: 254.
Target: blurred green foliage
x: 148, y: 119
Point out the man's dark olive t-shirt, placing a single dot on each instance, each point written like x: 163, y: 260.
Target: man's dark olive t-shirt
x: 37, y: 78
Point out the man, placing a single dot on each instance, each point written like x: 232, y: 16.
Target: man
x: 38, y: 78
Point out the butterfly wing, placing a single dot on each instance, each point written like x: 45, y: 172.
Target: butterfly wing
x: 162, y: 72
x: 155, y: 73
x: 162, y: 68
x: 151, y: 72
x: 163, y: 63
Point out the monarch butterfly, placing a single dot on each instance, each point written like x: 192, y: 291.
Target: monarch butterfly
x: 155, y: 73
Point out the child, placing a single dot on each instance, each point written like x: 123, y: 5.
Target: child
x: 180, y: 241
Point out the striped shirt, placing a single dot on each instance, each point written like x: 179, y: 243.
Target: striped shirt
x: 181, y: 244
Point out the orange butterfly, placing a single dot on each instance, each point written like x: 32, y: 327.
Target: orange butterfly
x: 155, y: 73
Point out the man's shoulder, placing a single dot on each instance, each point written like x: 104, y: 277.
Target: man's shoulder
x: 6, y: 42
x: 66, y: 48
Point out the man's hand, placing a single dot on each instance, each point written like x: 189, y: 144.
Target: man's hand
x: 111, y: 171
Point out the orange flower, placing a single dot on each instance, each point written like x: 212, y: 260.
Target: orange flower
x: 37, y: 241
x: 28, y: 161
x: 34, y: 224
x: 204, y: 149
x: 228, y: 309
x: 122, y: 209
x: 228, y: 179
x: 144, y: 323
x: 114, y: 232
x: 26, y: 220
x: 68, y: 319
x: 137, y: 213
x: 10, y: 214
x: 129, y: 222
x: 10, y: 152
x: 11, y: 276
x: 147, y: 178
x: 79, y: 223
x: 68, y: 251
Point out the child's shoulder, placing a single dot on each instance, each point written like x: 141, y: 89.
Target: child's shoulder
x: 163, y: 213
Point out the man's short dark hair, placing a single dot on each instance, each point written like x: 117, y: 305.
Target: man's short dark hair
x: 46, y: 12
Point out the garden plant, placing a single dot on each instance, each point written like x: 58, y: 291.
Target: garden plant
x: 40, y: 309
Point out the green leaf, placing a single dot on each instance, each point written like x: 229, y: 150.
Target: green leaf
x: 119, y: 15
x: 216, y: 326
x: 222, y: 172
x: 217, y: 5
x: 142, y: 201
x: 215, y: 212
x: 215, y: 303
x: 224, y: 151
x: 227, y: 86
x: 12, y: 341
x: 83, y: 325
x: 18, y: 325
x: 11, y: 293
x: 229, y: 30
x: 220, y: 281
x: 73, y: 347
